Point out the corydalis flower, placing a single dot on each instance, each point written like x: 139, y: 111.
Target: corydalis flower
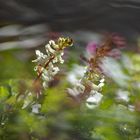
x: 88, y: 89
x: 94, y: 99
x: 90, y: 85
x: 47, y: 63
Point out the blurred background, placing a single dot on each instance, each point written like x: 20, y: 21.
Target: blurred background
x: 27, y: 25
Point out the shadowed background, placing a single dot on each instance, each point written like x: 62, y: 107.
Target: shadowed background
x: 32, y: 21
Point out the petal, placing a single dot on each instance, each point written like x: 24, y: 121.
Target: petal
x: 38, y: 53
x: 101, y: 85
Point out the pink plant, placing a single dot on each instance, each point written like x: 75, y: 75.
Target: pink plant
x: 118, y: 40
x: 91, y: 47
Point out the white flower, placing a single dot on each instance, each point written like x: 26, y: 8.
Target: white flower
x: 35, y: 108
x: 49, y: 49
x: 48, y: 75
x: 94, y: 86
x: 131, y: 108
x: 78, y: 89
x: 102, y: 80
x: 45, y: 75
x: 54, y: 71
x: 82, y: 84
x: 52, y: 43
x: 73, y: 92
x: 45, y: 84
x: 94, y: 99
x: 122, y: 95
x: 51, y: 70
x: 58, y: 58
x: 46, y: 64
x: 101, y: 85
x: 41, y: 58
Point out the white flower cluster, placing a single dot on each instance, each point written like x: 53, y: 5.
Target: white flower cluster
x: 28, y: 101
x: 51, y: 70
x: 47, y: 63
x: 94, y: 99
x: 35, y: 108
x: 93, y: 95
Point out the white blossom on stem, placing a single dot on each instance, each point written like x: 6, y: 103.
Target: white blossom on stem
x: 87, y: 89
x: 47, y: 63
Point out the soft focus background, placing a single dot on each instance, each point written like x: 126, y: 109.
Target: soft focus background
x: 27, y: 25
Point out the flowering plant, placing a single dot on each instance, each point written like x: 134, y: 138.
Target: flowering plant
x: 47, y: 63
x: 93, y: 97
x: 90, y: 85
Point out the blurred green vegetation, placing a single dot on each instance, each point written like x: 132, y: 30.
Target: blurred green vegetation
x: 60, y: 117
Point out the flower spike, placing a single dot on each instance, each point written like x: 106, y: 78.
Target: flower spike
x: 46, y: 63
